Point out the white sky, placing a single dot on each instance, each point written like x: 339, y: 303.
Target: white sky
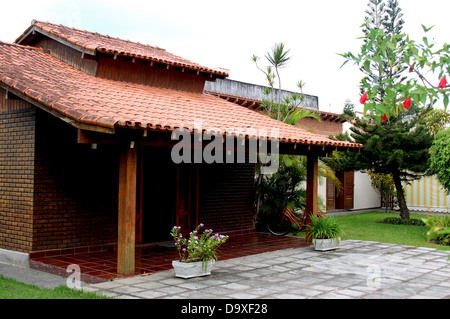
x: 227, y: 33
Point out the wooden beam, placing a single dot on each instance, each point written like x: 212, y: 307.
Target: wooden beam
x: 140, y: 199
x: 127, y: 210
x: 312, y: 167
x: 91, y: 137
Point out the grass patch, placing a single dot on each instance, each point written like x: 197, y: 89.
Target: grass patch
x: 367, y: 226
x: 12, y: 289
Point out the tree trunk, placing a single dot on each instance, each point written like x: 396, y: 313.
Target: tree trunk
x: 404, y: 211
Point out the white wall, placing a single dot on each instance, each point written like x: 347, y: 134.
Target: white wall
x: 322, y: 192
x: 365, y: 196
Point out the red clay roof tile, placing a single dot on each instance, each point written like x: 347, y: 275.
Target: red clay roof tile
x: 107, y: 103
x: 92, y: 41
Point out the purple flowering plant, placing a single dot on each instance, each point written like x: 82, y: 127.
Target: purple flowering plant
x: 199, y: 245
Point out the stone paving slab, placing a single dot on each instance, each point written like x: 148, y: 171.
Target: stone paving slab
x: 358, y: 269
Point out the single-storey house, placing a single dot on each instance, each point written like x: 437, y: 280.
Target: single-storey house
x: 88, y: 125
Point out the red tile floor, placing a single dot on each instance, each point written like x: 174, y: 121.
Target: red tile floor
x: 102, y: 266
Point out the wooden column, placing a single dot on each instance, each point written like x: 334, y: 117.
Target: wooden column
x: 127, y: 210
x: 312, y: 167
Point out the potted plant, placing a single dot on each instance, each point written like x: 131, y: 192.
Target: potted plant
x: 198, y: 252
x: 325, y: 232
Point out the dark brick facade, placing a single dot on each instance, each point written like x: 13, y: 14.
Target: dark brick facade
x: 75, y: 189
x: 56, y: 193
x: 17, y: 140
x: 227, y: 196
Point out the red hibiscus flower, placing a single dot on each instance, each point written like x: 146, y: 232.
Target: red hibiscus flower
x: 443, y: 83
x: 407, y: 103
x: 384, y: 118
x: 363, y: 98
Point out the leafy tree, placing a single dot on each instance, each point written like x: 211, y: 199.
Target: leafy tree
x: 391, y: 96
x: 435, y: 119
x: 284, y: 188
x: 281, y: 189
x: 440, y: 158
x: 375, y: 15
x: 384, y: 184
x: 395, y: 140
x: 349, y: 110
x: 397, y: 147
x: 277, y: 58
x: 282, y: 109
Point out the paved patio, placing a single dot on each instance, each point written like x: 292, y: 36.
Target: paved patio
x: 358, y: 269
x: 99, y: 266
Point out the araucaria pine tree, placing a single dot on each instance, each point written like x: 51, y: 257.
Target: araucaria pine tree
x: 398, y: 147
x: 387, y: 18
x: 396, y: 94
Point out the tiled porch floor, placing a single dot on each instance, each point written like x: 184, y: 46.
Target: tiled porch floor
x: 158, y: 257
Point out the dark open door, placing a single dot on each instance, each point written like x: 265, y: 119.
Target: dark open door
x: 158, y: 195
x: 348, y: 189
x: 187, y: 197
x: 331, y: 195
x: 343, y: 199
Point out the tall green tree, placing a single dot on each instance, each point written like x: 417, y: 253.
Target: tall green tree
x: 285, y: 109
x: 349, y: 110
x: 395, y: 140
x: 375, y: 14
x: 385, y: 20
x: 284, y: 188
x: 397, y: 147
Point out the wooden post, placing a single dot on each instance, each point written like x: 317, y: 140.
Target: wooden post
x: 312, y: 168
x: 127, y: 210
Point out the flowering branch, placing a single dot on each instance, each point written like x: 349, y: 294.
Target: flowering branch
x: 420, y: 59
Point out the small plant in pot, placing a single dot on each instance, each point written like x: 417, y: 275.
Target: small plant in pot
x: 325, y: 232
x: 198, y: 252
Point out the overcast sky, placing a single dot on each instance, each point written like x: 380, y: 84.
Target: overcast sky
x: 227, y: 33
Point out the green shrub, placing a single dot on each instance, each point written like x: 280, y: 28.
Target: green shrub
x: 325, y: 227
x: 401, y: 221
x: 439, y: 229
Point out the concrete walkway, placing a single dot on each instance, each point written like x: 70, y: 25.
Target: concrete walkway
x: 358, y: 269
x: 31, y: 276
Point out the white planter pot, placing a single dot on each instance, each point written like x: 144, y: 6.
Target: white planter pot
x: 326, y: 244
x: 193, y: 269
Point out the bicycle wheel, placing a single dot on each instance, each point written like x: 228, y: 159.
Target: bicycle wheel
x: 278, y: 224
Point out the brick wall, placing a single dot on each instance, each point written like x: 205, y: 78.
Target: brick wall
x: 75, y: 189
x: 226, y: 196
x: 56, y: 193
x: 17, y: 138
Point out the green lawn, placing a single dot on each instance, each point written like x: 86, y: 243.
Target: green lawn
x: 12, y: 289
x: 365, y: 226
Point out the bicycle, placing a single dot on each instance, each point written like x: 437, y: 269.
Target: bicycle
x: 281, y: 224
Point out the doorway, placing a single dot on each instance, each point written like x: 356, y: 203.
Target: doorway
x: 167, y: 196
x: 344, y: 199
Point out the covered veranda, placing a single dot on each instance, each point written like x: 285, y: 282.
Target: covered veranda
x: 99, y: 266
